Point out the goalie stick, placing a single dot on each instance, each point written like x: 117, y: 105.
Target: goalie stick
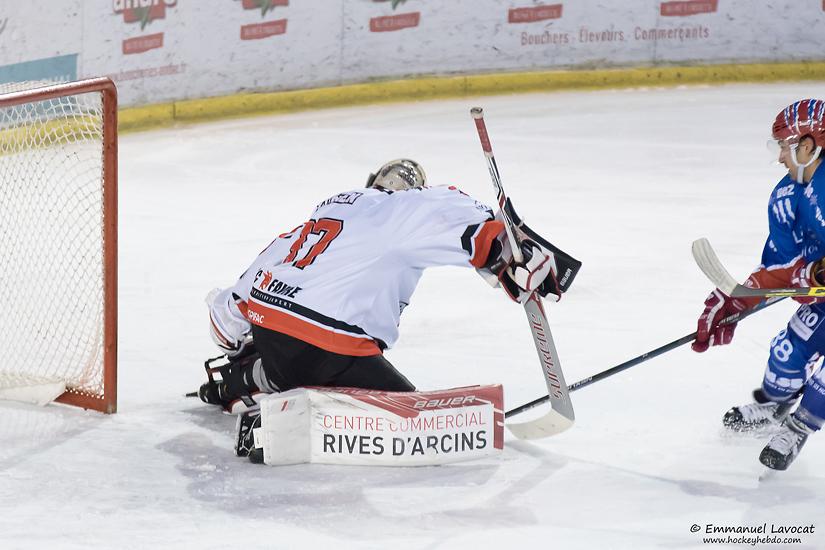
x: 561, y: 416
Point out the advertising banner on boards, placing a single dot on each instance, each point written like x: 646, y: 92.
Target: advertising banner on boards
x: 166, y: 50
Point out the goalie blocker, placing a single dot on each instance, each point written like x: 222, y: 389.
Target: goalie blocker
x: 380, y: 428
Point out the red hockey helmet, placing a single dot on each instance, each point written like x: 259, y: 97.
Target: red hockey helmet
x: 805, y: 117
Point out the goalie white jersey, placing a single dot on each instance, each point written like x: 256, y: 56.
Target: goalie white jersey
x: 341, y: 280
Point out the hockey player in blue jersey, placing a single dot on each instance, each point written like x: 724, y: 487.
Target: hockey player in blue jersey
x: 791, y: 400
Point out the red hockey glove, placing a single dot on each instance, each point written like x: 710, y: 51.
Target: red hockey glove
x: 808, y: 275
x: 708, y: 331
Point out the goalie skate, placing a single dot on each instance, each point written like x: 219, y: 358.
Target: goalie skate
x: 245, y: 440
x: 214, y: 393
x: 217, y: 393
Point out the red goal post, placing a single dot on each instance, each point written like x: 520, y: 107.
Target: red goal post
x: 58, y: 240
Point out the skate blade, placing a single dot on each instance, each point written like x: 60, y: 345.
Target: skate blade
x: 753, y: 433
x: 767, y: 475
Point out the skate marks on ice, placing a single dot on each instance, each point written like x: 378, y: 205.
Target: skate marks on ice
x: 745, y: 448
x: 26, y: 429
x: 210, y: 418
x: 530, y: 487
x: 768, y: 475
x: 354, y: 500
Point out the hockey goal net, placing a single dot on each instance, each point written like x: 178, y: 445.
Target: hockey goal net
x: 58, y: 243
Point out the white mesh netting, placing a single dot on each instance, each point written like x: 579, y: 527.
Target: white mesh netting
x: 51, y: 241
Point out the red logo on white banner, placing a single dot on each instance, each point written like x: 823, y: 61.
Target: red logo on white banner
x: 142, y: 11
x: 684, y: 8
x: 142, y: 44
x: 533, y: 14
x: 257, y: 31
x: 395, y: 22
x: 263, y: 30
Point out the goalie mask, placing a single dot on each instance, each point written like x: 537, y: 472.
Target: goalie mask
x: 398, y: 175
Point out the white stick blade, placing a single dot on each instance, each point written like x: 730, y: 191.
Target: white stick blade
x: 548, y: 425
x: 709, y: 263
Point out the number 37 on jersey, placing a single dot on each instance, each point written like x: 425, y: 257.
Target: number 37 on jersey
x: 327, y: 229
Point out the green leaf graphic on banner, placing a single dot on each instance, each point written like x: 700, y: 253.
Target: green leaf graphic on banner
x: 395, y: 3
x: 143, y: 15
x: 265, y: 6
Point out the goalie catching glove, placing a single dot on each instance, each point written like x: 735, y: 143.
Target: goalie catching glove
x: 536, y: 272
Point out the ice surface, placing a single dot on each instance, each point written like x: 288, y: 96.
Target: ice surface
x: 623, y: 180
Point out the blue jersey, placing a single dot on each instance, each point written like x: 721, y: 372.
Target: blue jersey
x: 796, y: 238
x: 796, y: 227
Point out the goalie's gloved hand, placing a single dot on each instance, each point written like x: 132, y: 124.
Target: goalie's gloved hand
x: 708, y: 331
x: 228, y: 326
x: 519, y: 279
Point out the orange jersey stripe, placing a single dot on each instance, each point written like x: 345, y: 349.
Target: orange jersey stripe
x: 483, y: 240
x: 285, y: 323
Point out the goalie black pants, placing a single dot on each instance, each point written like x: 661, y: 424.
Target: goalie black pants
x: 289, y: 363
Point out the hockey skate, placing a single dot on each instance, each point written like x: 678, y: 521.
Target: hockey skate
x: 214, y: 393
x: 245, y: 440
x: 760, y: 416
x: 783, y: 447
x: 232, y: 393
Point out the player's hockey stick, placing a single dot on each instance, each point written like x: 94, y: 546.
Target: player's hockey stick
x: 735, y: 318
x: 709, y: 263
x: 561, y: 416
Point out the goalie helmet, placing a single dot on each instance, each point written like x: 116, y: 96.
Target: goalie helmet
x: 805, y: 117
x: 398, y: 175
